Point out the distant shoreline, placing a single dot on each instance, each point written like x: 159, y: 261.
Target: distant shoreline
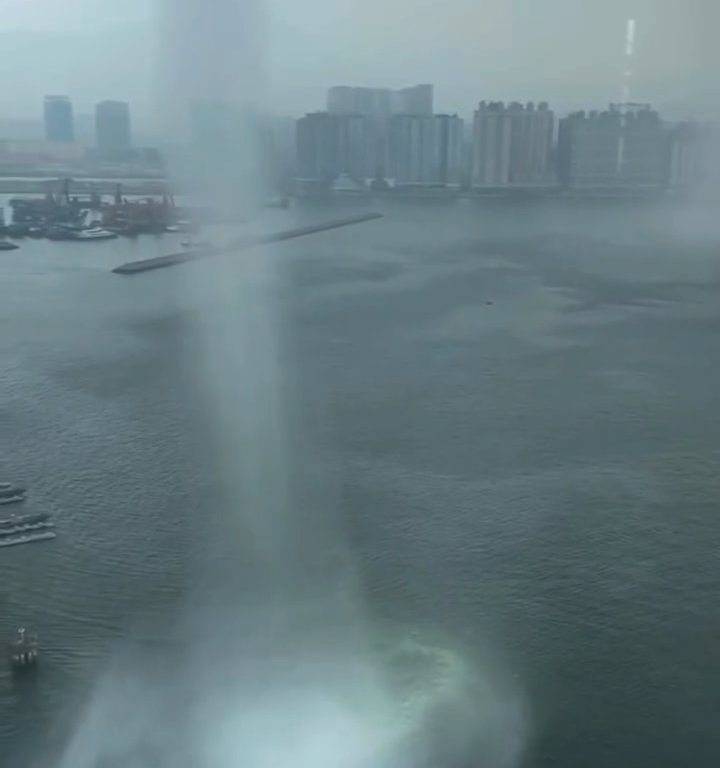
x: 37, y: 184
x: 22, y: 185
x: 502, y: 194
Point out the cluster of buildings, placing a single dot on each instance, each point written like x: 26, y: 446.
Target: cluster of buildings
x: 383, y: 139
x: 369, y: 137
x: 61, y: 147
x: 373, y: 133
x: 113, y: 138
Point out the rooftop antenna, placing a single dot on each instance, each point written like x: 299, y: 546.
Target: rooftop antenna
x: 625, y: 92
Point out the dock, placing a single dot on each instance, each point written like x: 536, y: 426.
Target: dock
x: 244, y: 243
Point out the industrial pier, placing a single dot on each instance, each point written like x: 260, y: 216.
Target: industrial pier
x: 161, y: 262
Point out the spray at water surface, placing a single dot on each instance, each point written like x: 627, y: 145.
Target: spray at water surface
x: 283, y: 665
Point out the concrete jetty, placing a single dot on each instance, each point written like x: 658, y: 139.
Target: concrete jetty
x: 161, y: 262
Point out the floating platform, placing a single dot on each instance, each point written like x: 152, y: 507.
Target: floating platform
x: 161, y: 262
x: 24, y: 650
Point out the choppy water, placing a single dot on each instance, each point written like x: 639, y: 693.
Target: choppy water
x: 513, y: 411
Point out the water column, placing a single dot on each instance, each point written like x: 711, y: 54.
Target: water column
x: 281, y: 666
x: 284, y: 676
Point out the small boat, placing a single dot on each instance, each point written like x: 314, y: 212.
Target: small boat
x: 94, y: 233
x: 27, y: 538
x: 24, y: 650
x: 5, y: 245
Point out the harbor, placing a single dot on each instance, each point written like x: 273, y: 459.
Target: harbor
x: 63, y: 213
x: 82, y: 212
x: 104, y: 185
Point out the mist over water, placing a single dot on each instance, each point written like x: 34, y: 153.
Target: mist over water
x: 282, y: 663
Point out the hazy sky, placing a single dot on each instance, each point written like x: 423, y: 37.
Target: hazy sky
x: 569, y: 52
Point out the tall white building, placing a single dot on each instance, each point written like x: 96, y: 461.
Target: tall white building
x: 379, y: 106
x: 355, y: 147
x: 492, y: 135
x: 426, y: 149
x: 59, y: 119
x: 694, y: 156
x: 329, y: 145
x: 317, y: 147
x: 620, y: 147
x: 644, y: 155
x: 588, y: 149
x: 415, y: 100
x: 512, y: 145
x: 531, y: 143
x: 412, y: 149
x: 449, y: 136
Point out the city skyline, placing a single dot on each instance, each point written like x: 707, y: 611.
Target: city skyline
x: 366, y: 139
x: 573, y: 57
x: 85, y: 118
x: 375, y: 133
x: 85, y: 110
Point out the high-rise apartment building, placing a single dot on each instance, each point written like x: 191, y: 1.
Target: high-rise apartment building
x: 644, y: 150
x: 492, y: 137
x: 626, y: 145
x: 355, y: 145
x: 317, y: 146
x: 694, y: 156
x: 329, y: 145
x: 531, y: 143
x: 426, y: 149
x: 512, y: 145
x: 415, y: 100
x: 112, y: 129
x: 685, y: 156
x: 59, y: 121
x: 412, y: 149
x: 449, y: 137
x: 378, y: 106
x: 589, y: 149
